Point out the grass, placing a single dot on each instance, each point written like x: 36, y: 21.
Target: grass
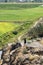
x: 30, y: 14
x: 20, y: 12
x: 6, y: 27
x: 6, y: 31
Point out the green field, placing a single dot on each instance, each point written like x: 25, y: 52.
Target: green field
x: 21, y: 15
x: 20, y: 12
x: 15, y: 15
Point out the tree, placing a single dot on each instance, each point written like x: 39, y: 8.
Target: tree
x: 38, y: 0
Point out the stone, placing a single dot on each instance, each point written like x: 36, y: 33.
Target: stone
x: 6, y: 58
x: 5, y: 64
x: 23, y: 56
x: 1, y: 61
x: 38, y: 39
x: 41, y: 41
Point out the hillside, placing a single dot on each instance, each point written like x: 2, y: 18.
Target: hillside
x: 21, y: 34
x: 16, y: 19
x: 25, y: 52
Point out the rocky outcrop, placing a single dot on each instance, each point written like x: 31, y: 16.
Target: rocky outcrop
x: 22, y: 55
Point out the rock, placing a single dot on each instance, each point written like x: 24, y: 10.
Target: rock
x: 6, y: 58
x: 41, y: 41
x: 32, y: 57
x: 36, y: 61
x: 1, y: 61
x: 19, y: 55
x: 41, y: 59
x: 38, y: 39
x: 5, y: 64
x: 29, y: 41
x: 14, y: 46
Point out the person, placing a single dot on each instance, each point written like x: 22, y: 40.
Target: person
x: 24, y: 40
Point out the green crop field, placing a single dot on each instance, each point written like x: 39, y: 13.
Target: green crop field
x: 21, y: 15
x: 20, y: 12
x: 15, y: 15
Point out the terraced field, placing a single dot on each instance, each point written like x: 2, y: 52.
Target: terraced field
x: 29, y: 14
x: 20, y: 12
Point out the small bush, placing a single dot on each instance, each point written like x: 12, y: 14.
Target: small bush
x: 15, y: 32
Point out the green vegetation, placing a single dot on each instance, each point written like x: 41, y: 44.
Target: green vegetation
x: 6, y: 27
x: 21, y: 15
x: 20, y: 12
x: 17, y: 6
x: 19, y: 18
